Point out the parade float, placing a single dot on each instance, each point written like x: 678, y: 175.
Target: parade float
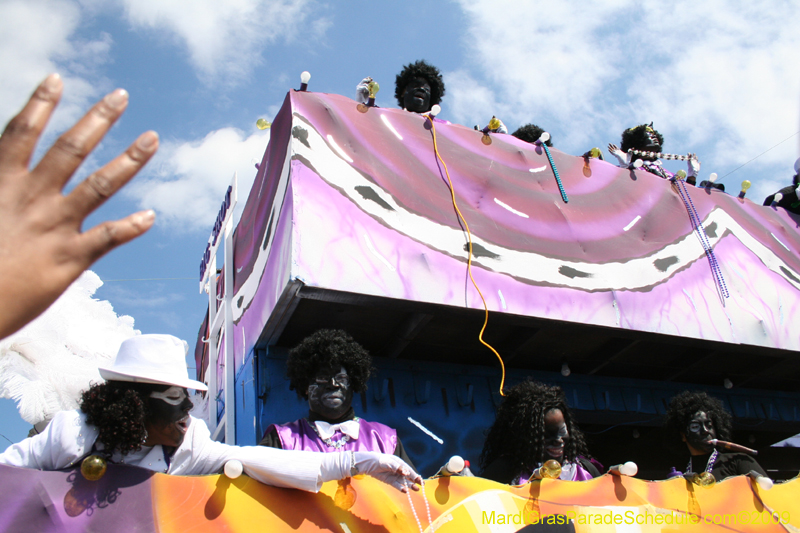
x: 416, y: 235
x: 413, y: 234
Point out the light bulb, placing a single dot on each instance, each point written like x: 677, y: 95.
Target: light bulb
x: 565, y: 371
x: 712, y: 177
x: 746, y: 185
x: 638, y: 163
x: 373, y: 88
x: 233, y: 468
x: 435, y: 110
x: 705, y: 479
x: 778, y: 197
x: 93, y: 467
x: 455, y: 464
x: 262, y: 124
x: 628, y: 469
x: 305, y: 76
x: 551, y: 469
x: 594, y: 152
x: 681, y: 174
x: 764, y: 482
x: 544, y: 137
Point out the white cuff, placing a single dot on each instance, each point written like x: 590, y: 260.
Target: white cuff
x: 334, y: 466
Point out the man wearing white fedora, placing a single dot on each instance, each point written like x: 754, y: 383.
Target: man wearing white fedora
x: 140, y: 416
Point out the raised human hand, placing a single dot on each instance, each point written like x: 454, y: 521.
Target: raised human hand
x: 623, y: 158
x: 42, y: 247
x: 362, y: 90
x: 694, y: 165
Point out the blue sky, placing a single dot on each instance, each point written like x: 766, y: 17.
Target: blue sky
x: 717, y: 78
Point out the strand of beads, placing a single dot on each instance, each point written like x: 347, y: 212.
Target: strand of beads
x: 414, y: 511
x: 659, y: 155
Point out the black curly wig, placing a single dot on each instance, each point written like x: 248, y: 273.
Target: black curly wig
x: 424, y: 70
x: 683, y: 407
x: 118, y: 409
x: 518, y: 429
x: 636, y: 138
x: 530, y: 133
x: 325, y: 348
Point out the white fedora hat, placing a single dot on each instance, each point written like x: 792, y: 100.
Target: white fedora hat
x: 152, y: 359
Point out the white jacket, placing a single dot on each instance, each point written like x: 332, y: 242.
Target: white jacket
x: 68, y: 438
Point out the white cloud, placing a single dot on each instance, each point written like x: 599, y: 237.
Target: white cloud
x: 225, y: 39
x: 187, y: 182
x: 717, y: 77
x: 37, y: 38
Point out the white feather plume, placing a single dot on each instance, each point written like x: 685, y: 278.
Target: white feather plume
x: 45, y: 366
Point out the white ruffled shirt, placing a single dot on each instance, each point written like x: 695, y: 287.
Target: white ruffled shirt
x: 68, y: 438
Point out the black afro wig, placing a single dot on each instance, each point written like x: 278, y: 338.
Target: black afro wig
x: 424, y: 70
x: 530, y: 133
x: 683, y: 407
x: 637, y: 138
x: 323, y: 349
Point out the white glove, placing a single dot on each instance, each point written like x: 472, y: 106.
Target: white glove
x: 388, y: 468
x: 362, y: 91
x: 694, y: 165
x: 623, y: 158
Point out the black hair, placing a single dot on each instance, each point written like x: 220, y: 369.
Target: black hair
x: 119, y: 409
x: 424, y: 70
x: 636, y: 138
x: 518, y: 429
x: 530, y: 133
x: 683, y: 407
x: 324, y: 348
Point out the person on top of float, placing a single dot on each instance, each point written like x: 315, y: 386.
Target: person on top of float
x: 695, y: 418
x: 644, y: 143
x: 419, y: 87
x: 327, y: 368
x: 140, y: 416
x: 533, y: 425
x: 530, y: 133
x: 790, y: 195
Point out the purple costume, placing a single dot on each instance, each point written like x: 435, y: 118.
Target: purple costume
x: 372, y: 437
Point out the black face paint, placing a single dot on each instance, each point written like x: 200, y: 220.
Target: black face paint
x: 699, y: 431
x: 168, y: 419
x: 556, y: 435
x: 417, y: 96
x: 329, y: 393
x: 652, y: 142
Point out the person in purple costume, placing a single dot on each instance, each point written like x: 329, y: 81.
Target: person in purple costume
x: 646, y: 139
x: 534, y: 424
x: 326, y: 369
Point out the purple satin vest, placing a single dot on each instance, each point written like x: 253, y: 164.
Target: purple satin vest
x: 372, y: 437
